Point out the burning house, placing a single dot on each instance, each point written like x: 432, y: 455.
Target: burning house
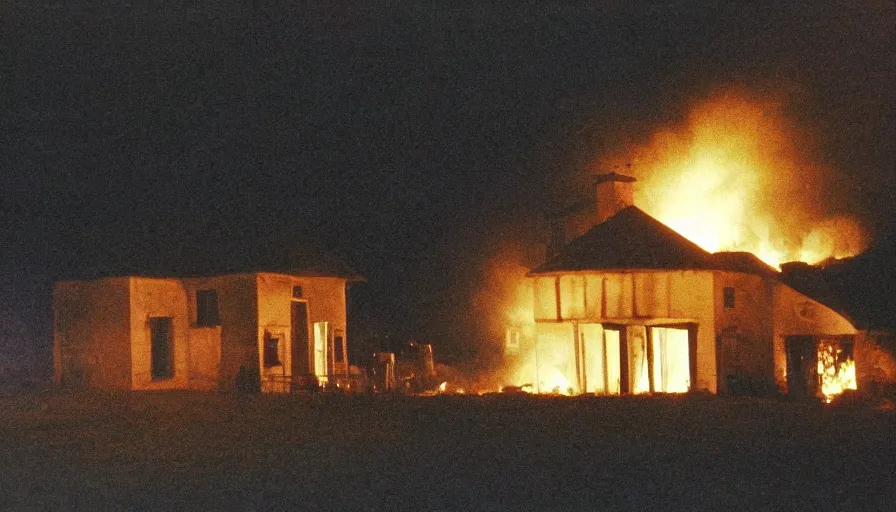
x: 270, y: 330
x: 632, y: 306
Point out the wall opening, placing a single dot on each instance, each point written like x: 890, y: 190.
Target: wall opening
x: 638, y: 360
x: 271, y: 351
x: 321, y: 343
x: 207, y: 308
x: 161, y: 349
x: 300, y: 339
x: 671, y: 364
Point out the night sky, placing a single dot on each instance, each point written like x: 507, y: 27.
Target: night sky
x: 411, y: 139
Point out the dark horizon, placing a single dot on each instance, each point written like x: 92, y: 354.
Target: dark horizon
x: 412, y: 142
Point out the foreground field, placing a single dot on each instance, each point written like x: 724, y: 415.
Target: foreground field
x: 183, y: 451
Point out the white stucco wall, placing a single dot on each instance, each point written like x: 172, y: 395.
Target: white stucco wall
x: 797, y: 314
x: 155, y: 297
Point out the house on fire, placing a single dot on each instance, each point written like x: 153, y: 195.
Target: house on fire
x: 255, y: 328
x: 631, y: 306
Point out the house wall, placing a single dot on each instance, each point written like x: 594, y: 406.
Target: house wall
x: 691, y: 297
x: 745, y: 331
x: 326, y: 303
x: 797, y: 314
x: 636, y: 298
x: 157, y: 297
x: 90, y: 333
x: 231, y: 346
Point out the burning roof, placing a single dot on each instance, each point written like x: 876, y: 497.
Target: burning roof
x: 633, y: 239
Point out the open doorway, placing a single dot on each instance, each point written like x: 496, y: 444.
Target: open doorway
x: 802, y: 362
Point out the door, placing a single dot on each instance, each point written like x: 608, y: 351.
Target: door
x: 301, y: 357
x: 802, y: 366
x: 161, y: 351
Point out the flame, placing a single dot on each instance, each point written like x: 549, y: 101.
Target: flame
x: 507, y: 292
x: 553, y: 381
x: 837, y: 373
x: 735, y: 177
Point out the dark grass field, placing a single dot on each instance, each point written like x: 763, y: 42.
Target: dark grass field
x: 192, y: 451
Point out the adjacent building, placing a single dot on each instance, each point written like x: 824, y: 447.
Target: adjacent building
x: 267, y: 330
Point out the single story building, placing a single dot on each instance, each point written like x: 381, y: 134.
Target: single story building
x: 268, y: 330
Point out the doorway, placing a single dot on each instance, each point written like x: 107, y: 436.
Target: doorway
x: 300, y: 353
x: 802, y: 366
x: 161, y: 352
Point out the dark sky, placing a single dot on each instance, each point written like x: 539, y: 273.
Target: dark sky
x: 409, y: 138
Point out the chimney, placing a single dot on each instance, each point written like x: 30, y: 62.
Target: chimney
x: 614, y: 192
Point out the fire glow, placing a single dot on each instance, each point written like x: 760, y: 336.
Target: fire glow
x: 735, y: 177
x: 836, y: 371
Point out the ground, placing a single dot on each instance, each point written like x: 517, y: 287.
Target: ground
x: 213, y: 451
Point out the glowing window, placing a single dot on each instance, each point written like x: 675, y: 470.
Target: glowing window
x: 671, y: 360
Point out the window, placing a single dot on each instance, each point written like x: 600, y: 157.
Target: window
x: 512, y: 341
x: 161, y: 350
x: 272, y: 351
x: 297, y: 292
x: 728, y: 296
x: 207, y: 308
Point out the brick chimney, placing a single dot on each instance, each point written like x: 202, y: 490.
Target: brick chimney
x: 614, y: 192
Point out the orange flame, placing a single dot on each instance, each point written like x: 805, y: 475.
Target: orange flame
x: 837, y: 373
x: 735, y: 176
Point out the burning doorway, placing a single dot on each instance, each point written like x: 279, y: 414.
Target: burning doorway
x: 659, y: 359
x: 819, y: 366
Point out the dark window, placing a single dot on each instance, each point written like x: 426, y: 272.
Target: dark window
x: 272, y: 352
x: 161, y: 349
x: 297, y: 292
x: 207, y: 308
x: 728, y: 296
x: 338, y: 353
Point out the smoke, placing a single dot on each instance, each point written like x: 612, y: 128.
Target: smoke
x: 505, y: 297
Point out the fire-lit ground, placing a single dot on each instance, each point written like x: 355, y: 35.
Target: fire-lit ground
x: 182, y: 451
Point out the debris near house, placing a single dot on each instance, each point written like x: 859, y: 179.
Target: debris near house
x: 381, y: 373
x: 416, y: 369
x: 412, y: 369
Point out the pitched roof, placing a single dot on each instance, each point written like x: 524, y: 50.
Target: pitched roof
x: 631, y: 239
x: 742, y: 261
x: 863, y: 287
